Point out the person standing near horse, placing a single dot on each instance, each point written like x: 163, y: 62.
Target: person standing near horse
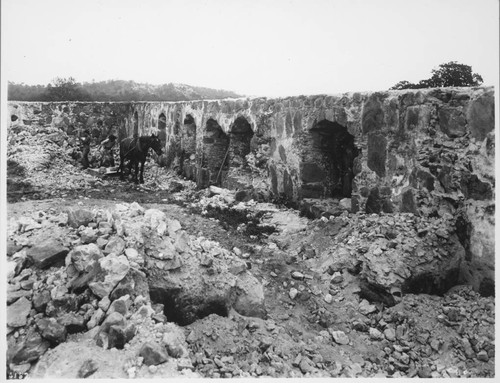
x: 107, y: 158
x: 85, y: 145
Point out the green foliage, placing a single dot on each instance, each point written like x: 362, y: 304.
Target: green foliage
x: 62, y: 89
x: 448, y: 74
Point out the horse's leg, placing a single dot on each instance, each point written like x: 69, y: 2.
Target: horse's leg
x: 130, y: 163
x: 120, y: 169
x: 142, y: 172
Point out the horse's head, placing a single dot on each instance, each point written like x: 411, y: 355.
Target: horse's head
x: 156, y: 145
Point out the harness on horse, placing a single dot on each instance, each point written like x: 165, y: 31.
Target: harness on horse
x: 138, y: 144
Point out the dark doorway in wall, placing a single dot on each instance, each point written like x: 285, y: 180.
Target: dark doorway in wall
x: 215, y: 152
x: 188, y: 148
x: 239, y: 147
x: 136, y: 124
x: 327, y: 167
x: 162, y: 128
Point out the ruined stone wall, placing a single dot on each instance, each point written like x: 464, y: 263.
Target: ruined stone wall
x: 428, y: 152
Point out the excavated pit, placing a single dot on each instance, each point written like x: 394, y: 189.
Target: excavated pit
x: 184, y: 310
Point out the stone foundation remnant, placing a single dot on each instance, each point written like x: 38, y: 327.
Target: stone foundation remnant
x: 429, y: 152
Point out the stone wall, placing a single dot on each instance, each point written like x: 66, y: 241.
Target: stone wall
x: 427, y: 152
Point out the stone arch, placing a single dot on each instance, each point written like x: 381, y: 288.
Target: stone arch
x: 328, y: 161
x: 136, y: 124
x: 188, y: 147
x: 241, y: 134
x: 215, y: 152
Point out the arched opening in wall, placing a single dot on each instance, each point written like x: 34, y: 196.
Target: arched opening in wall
x: 136, y: 124
x: 162, y: 128
x: 188, y: 148
x: 327, y: 167
x: 239, y: 147
x: 215, y: 151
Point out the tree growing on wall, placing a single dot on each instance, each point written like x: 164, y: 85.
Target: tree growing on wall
x: 448, y: 74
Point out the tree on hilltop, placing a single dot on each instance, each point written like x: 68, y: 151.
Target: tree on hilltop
x: 448, y: 74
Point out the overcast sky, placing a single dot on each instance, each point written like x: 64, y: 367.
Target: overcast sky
x: 253, y: 47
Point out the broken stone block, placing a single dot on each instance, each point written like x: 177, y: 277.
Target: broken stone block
x: 366, y: 308
x: 182, y: 242
x: 79, y: 217
x: 51, y: 330
x: 452, y: 121
x: 118, y: 306
x: 339, y: 337
x: 390, y: 334
x: 153, y: 354
x: 17, y: 313
x: 113, y: 270
x: 73, y: 322
x: 47, y: 253
x: 115, y: 245
x: 40, y: 300
x: 96, y: 318
x: 132, y: 254
x: 250, y: 299
x: 481, y: 115
x: 375, y: 334
x: 30, y: 349
x: 88, y: 235
x: 133, y: 284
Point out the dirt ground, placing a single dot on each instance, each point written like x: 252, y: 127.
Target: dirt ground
x: 304, y: 334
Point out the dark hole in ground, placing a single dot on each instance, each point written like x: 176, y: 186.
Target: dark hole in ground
x: 184, y: 311
x: 15, y: 169
x: 230, y: 219
x: 375, y: 294
x: 487, y: 287
x: 426, y: 283
x: 14, y: 117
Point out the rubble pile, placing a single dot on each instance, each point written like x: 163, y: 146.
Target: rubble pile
x: 392, y: 251
x: 85, y: 271
x: 46, y: 158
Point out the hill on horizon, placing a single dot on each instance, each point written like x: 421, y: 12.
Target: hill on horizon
x: 113, y: 90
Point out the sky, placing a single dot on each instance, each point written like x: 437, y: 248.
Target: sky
x: 273, y: 48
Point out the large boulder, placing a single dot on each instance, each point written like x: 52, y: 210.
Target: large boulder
x: 249, y: 296
x: 112, y: 270
x: 82, y: 257
x: 79, y: 217
x: 153, y: 354
x: 30, y: 349
x: 47, y: 253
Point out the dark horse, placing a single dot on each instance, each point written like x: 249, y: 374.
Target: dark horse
x: 136, y: 150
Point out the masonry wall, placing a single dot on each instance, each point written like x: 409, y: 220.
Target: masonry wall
x: 428, y: 152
